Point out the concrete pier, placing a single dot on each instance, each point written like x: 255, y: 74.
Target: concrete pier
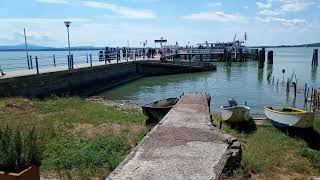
x: 184, y: 145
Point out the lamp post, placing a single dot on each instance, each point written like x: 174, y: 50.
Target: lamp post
x: 68, y: 23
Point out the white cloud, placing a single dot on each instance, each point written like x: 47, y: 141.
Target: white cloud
x: 245, y: 7
x: 286, y: 22
x: 286, y: 6
x: 53, y: 1
x: 215, y: 4
x: 261, y: 5
x: 124, y: 11
x: 216, y: 16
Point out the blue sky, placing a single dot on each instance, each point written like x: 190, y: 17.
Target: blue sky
x: 113, y: 22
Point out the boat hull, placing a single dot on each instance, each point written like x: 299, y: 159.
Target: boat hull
x: 235, y: 114
x: 299, y: 119
x: 158, y: 109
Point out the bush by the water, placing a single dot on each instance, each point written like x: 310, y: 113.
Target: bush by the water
x: 19, y: 151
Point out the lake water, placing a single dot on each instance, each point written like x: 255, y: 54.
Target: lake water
x: 242, y: 81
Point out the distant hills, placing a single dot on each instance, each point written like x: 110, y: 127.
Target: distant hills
x: 301, y: 45
x: 32, y: 47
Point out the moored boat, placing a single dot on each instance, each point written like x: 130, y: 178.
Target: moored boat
x: 158, y: 109
x: 235, y: 113
x: 289, y: 117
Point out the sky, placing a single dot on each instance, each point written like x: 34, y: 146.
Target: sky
x: 117, y: 22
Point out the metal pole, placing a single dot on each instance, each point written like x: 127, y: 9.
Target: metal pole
x: 69, y: 41
x: 30, y: 59
x: 26, y: 44
x: 90, y: 60
x: 37, y: 65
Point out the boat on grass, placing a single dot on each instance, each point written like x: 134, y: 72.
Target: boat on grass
x: 289, y: 117
x: 235, y: 113
x: 158, y: 109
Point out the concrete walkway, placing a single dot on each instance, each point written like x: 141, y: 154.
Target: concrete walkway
x: 184, y: 145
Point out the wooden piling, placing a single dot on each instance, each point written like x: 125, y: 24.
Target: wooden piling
x: 241, y: 59
x: 295, y: 88
x: 261, y: 59
x: 315, y: 58
x: 270, y: 57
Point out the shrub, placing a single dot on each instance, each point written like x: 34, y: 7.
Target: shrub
x: 17, y: 151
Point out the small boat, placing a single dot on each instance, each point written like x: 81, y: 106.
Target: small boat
x: 289, y: 117
x: 235, y: 113
x: 158, y: 109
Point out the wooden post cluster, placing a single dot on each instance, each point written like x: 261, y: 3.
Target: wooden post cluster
x: 270, y: 57
x: 315, y: 58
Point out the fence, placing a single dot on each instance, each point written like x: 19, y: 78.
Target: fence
x: 46, y: 63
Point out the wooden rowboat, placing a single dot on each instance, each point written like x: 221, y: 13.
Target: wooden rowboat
x: 158, y: 109
x: 235, y: 114
x: 289, y: 117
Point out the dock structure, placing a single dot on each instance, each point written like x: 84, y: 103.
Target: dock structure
x: 184, y: 145
x: 209, y: 54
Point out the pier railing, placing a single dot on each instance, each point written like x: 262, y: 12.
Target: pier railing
x: 16, y: 66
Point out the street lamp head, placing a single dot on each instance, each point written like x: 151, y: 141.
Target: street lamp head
x: 67, y: 23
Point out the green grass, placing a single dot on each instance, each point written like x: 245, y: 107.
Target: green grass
x: 269, y: 153
x: 82, y: 138
x: 69, y: 157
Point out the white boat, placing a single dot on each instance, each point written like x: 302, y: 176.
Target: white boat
x: 289, y: 117
x: 235, y: 113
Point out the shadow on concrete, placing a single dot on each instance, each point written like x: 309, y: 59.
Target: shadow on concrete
x: 248, y: 127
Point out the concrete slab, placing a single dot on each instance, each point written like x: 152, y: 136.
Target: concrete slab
x: 184, y: 145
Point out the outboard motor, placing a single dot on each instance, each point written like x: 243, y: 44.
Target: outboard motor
x: 232, y: 102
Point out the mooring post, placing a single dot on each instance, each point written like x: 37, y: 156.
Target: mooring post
x: 270, y: 57
x: 37, y: 65
x: 31, y: 66
x: 91, y: 60
x: 315, y: 58
x: 87, y: 58
x: 54, y: 60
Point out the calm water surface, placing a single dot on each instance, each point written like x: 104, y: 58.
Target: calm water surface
x: 242, y: 81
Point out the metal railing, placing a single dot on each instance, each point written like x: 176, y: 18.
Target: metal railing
x: 50, y: 63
